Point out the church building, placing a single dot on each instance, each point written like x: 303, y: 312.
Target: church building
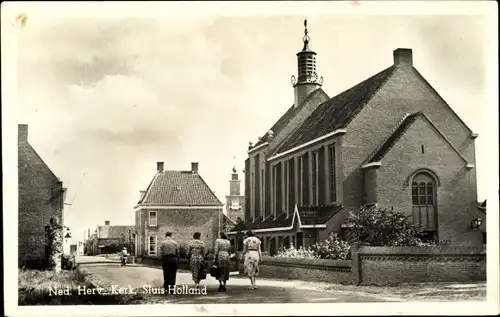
x: 235, y: 201
x: 390, y: 140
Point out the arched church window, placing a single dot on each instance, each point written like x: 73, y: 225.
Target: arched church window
x: 424, y: 208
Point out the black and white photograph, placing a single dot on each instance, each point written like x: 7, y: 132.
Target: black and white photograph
x: 250, y: 158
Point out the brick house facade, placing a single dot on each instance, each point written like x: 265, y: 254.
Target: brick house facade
x: 180, y: 202
x: 235, y: 201
x: 108, y: 238
x: 391, y: 140
x: 41, y: 197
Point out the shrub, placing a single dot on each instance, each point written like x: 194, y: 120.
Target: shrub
x: 68, y: 262
x: 332, y: 248
x: 301, y: 253
x: 382, y: 227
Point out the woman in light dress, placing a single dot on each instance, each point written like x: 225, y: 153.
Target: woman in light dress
x: 222, y: 247
x: 196, y: 256
x: 253, y: 256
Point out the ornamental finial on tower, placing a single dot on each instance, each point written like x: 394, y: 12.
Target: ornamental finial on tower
x: 306, y: 37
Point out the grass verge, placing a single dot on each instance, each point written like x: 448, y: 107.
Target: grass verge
x: 36, y: 287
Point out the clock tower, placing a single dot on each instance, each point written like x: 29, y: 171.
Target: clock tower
x: 235, y: 202
x: 307, y: 80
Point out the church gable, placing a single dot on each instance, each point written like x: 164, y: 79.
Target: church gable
x: 407, y: 91
x: 414, y: 135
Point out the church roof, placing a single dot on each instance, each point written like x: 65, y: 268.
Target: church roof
x: 311, y: 215
x: 287, y: 117
x: 179, y: 188
x: 114, y: 232
x: 387, y: 144
x: 307, y: 215
x: 337, y: 112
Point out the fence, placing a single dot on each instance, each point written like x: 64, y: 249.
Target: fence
x: 384, y: 266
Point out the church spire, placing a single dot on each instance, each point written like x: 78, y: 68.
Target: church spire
x: 307, y: 79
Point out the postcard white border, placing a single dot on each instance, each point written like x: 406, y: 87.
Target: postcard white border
x: 199, y: 10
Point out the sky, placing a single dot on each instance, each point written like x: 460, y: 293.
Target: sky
x: 105, y: 99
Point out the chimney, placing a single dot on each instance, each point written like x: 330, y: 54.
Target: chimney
x: 88, y: 234
x: 106, y: 223
x: 194, y: 167
x: 22, y: 132
x: 143, y: 193
x: 159, y: 167
x: 403, y: 57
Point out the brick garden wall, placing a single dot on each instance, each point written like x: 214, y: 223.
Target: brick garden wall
x: 332, y: 271
x: 394, y: 265
x: 384, y: 266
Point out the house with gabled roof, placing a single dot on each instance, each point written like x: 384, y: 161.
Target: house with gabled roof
x: 41, y: 197
x: 180, y: 202
x: 390, y: 140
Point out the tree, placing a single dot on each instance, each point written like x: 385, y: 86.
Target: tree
x: 54, y: 244
x: 382, y: 227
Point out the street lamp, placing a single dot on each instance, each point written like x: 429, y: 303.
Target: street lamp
x: 476, y: 223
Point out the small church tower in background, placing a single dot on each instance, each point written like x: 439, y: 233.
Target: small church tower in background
x: 235, y: 201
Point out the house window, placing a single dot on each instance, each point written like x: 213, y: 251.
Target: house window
x: 423, y: 196
x: 333, y: 185
x: 152, y: 247
x: 153, y: 219
x: 315, y: 177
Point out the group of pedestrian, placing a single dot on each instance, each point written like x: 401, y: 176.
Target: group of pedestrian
x: 197, y: 256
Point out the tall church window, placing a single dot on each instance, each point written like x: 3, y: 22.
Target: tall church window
x: 315, y: 177
x: 287, y: 185
x: 332, y: 169
x: 262, y: 193
x: 300, y: 182
x: 424, y: 206
x: 275, y: 189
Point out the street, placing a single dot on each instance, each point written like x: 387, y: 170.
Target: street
x: 108, y: 272
x: 268, y: 291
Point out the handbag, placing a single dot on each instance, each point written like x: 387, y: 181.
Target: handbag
x: 214, y: 271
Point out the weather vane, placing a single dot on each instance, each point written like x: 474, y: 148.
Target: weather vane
x: 306, y: 37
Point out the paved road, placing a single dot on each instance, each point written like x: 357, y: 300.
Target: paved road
x: 269, y: 291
